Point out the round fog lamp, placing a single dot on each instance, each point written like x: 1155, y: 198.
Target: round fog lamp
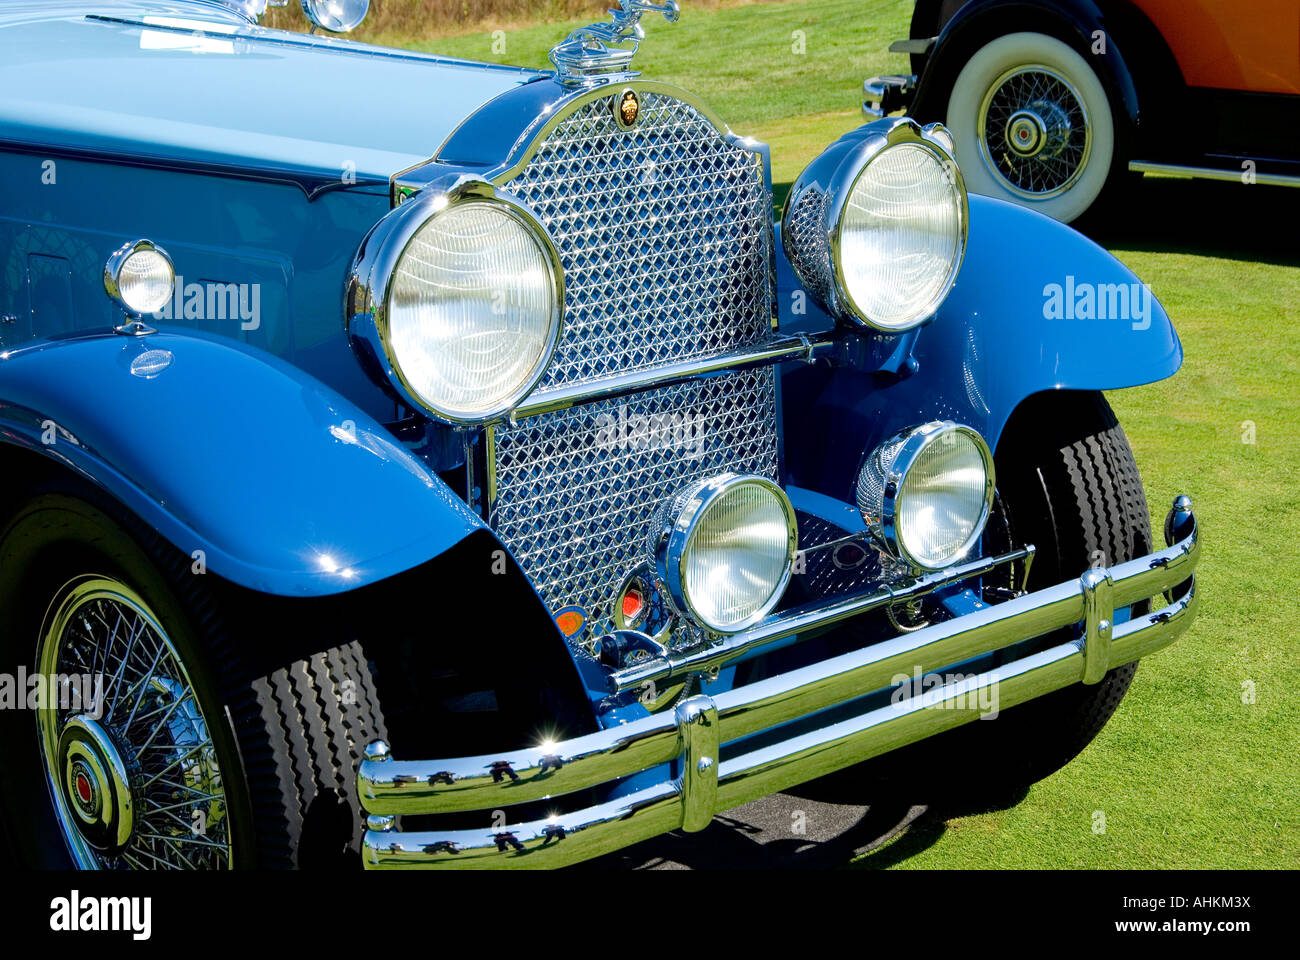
x: 926, y: 493
x: 725, y: 552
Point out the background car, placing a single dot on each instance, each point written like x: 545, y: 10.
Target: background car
x: 1052, y: 102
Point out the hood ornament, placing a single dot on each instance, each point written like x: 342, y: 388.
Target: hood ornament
x: 604, y: 50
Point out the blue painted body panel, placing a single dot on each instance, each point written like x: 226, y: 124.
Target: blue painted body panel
x: 988, y: 349
x: 286, y: 487
x: 216, y: 229
x: 195, y: 85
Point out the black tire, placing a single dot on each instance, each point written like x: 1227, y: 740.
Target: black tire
x: 289, y: 704
x: 1068, y: 483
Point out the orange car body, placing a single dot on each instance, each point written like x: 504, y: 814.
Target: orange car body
x: 1247, y: 45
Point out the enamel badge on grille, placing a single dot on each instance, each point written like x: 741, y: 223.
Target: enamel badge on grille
x: 627, y: 108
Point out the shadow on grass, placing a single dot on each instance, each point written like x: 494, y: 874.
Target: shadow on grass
x: 883, y: 811
x: 1205, y: 218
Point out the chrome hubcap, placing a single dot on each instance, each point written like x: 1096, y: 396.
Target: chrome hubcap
x: 1026, y: 133
x: 1034, y: 131
x: 132, y: 770
x: 95, y: 784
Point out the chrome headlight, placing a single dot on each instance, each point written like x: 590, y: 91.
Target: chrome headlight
x: 139, y: 277
x: 926, y: 493
x: 457, y: 297
x: 725, y: 550
x: 876, y: 227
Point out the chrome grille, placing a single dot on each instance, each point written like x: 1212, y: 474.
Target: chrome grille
x: 664, y: 232
x: 575, y: 491
x: 828, y: 572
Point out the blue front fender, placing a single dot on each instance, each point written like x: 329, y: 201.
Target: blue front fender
x: 285, y: 486
x: 1001, y: 336
x: 995, y: 341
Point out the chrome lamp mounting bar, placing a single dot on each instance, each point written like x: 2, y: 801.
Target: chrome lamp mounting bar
x: 788, y: 623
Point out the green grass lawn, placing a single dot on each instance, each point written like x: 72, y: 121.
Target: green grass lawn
x: 1187, y: 774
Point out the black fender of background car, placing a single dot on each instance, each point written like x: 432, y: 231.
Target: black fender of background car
x: 1133, y: 63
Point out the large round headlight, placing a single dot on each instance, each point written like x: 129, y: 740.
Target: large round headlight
x: 461, y: 305
x: 880, y: 238
x: 726, y: 550
x: 900, y: 237
x: 927, y: 492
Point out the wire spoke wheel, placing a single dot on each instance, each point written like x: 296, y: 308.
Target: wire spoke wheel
x: 131, y: 764
x: 1034, y: 130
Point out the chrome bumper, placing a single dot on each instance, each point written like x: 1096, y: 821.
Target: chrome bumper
x: 699, y: 725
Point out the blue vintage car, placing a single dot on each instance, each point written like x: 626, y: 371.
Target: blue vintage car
x: 436, y: 464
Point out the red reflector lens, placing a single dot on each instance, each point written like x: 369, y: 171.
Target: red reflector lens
x: 632, y: 604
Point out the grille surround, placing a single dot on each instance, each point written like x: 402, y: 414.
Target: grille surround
x: 674, y: 266
x: 664, y: 232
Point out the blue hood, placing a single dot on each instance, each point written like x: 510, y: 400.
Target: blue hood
x: 196, y: 83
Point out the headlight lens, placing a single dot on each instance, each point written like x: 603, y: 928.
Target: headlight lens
x: 472, y: 311
x: 726, y: 554
x: 900, y: 240
x: 927, y: 493
x: 140, y: 277
x: 875, y: 227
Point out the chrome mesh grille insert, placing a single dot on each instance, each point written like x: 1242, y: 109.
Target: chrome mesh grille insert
x: 576, y: 490
x: 664, y: 232
x: 807, y: 245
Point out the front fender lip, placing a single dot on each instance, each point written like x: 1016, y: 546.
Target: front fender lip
x: 267, y: 476
x: 702, y: 724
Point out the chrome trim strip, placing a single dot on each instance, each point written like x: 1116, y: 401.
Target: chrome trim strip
x: 1211, y: 173
x: 388, y: 787
x: 569, y: 838
x: 921, y: 45
x: 799, y: 347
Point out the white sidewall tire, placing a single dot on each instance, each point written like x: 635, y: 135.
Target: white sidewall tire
x: 975, y: 80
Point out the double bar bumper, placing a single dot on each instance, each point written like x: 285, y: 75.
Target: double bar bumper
x: 699, y: 725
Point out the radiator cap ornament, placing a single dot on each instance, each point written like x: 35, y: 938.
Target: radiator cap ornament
x: 601, y: 51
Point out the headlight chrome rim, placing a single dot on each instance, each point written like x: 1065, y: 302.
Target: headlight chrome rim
x: 879, y: 493
x: 827, y: 186
x: 371, y: 280
x: 675, y: 536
